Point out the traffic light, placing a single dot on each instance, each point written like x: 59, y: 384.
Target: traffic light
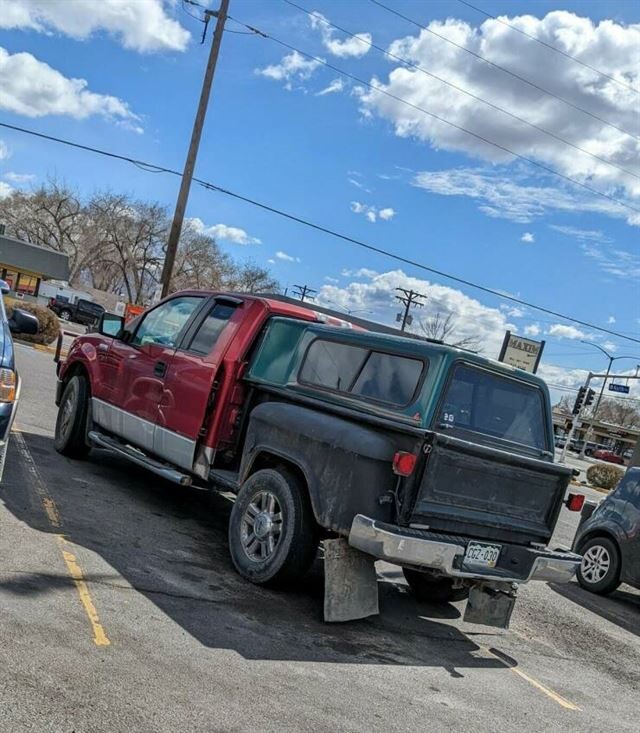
x: 577, y: 405
x: 585, y: 396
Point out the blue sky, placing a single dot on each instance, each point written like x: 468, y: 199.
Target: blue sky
x: 295, y: 134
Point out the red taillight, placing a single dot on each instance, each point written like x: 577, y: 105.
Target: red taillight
x: 575, y: 502
x: 404, y: 463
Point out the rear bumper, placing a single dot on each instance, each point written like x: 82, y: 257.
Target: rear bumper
x: 445, y: 554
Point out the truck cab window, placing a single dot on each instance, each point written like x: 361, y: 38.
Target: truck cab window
x: 211, y: 328
x: 163, y: 325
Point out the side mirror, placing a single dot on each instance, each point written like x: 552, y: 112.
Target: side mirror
x: 23, y: 322
x: 4, y: 287
x: 110, y: 324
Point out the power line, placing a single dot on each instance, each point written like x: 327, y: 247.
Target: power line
x: 325, y: 230
x: 549, y: 46
x: 476, y: 135
x: 505, y: 70
x: 464, y: 91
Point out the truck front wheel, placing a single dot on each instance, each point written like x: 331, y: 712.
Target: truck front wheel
x: 71, y: 424
x: 273, y: 536
x: 431, y: 589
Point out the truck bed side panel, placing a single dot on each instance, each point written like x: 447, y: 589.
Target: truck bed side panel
x: 347, y: 464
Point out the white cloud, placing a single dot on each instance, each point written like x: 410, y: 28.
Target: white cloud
x: 353, y: 47
x: 337, y: 85
x: 533, y: 329
x: 371, y: 213
x: 501, y: 195
x: 562, y: 331
x: 528, y: 237
x: 223, y: 232
x: 355, y: 182
x: 614, y: 261
x: 332, y: 280
x: 374, y: 291
x: 4, y: 150
x: 5, y: 189
x: 271, y: 261
x: 608, y: 45
x: 286, y: 257
x: 582, y: 235
x: 610, y: 346
x: 293, y: 66
x: 19, y: 177
x: 34, y: 89
x: 611, y: 319
x: 143, y: 25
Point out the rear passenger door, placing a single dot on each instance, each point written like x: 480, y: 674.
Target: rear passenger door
x: 189, y: 385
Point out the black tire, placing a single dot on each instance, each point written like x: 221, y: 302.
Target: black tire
x: 71, y: 424
x: 65, y: 314
x: 297, y: 542
x: 430, y: 589
x: 597, y: 551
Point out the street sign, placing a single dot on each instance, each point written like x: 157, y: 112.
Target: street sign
x: 622, y: 388
x: 521, y: 352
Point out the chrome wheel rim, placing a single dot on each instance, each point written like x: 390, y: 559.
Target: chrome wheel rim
x: 66, y: 412
x: 595, y: 564
x: 64, y: 315
x: 261, y: 526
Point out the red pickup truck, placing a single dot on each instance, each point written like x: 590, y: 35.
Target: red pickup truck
x: 381, y: 446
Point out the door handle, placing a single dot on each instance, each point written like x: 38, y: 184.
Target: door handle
x: 159, y: 369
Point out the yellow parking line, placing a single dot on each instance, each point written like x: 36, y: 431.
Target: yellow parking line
x: 538, y: 685
x: 73, y: 567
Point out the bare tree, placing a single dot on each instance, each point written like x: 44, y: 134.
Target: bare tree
x: 624, y: 413
x: 564, y: 404
x: 443, y: 328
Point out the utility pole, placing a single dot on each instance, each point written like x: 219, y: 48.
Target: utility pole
x: 302, y: 291
x: 409, y: 298
x: 190, y: 164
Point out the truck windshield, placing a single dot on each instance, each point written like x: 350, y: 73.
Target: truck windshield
x: 495, y: 406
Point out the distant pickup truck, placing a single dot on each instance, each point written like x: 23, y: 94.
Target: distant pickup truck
x: 383, y: 447
x: 82, y: 311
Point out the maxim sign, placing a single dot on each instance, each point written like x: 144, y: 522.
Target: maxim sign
x: 520, y: 352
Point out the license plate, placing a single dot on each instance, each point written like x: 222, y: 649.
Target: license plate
x: 482, y: 555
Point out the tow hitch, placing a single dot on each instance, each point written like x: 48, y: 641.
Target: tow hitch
x: 491, y: 604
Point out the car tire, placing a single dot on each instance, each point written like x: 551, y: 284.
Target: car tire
x: 71, y: 424
x: 430, y: 589
x: 65, y: 315
x: 273, y: 536
x: 599, y: 571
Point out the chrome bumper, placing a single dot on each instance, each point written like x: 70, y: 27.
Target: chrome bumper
x: 446, y: 557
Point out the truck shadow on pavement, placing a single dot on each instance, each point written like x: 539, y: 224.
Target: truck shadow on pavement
x: 170, y: 545
x: 621, y: 607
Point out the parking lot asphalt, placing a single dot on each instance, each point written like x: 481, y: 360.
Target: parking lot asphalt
x: 121, y: 612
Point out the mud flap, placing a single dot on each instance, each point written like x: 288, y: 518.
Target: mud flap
x: 491, y: 604
x: 350, y: 583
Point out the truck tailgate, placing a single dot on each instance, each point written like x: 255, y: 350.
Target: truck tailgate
x: 486, y: 493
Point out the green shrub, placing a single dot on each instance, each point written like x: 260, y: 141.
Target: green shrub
x: 604, y: 476
x: 48, y: 324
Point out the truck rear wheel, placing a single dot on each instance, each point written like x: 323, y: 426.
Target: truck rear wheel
x: 273, y: 536
x: 71, y: 424
x: 431, y: 589
x: 65, y: 314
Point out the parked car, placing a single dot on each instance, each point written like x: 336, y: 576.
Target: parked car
x: 20, y: 322
x: 575, y: 446
x: 82, y: 311
x: 433, y: 458
x: 609, y: 456
x: 609, y: 539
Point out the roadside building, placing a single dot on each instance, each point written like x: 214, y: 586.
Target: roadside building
x: 25, y: 266
x: 611, y: 437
